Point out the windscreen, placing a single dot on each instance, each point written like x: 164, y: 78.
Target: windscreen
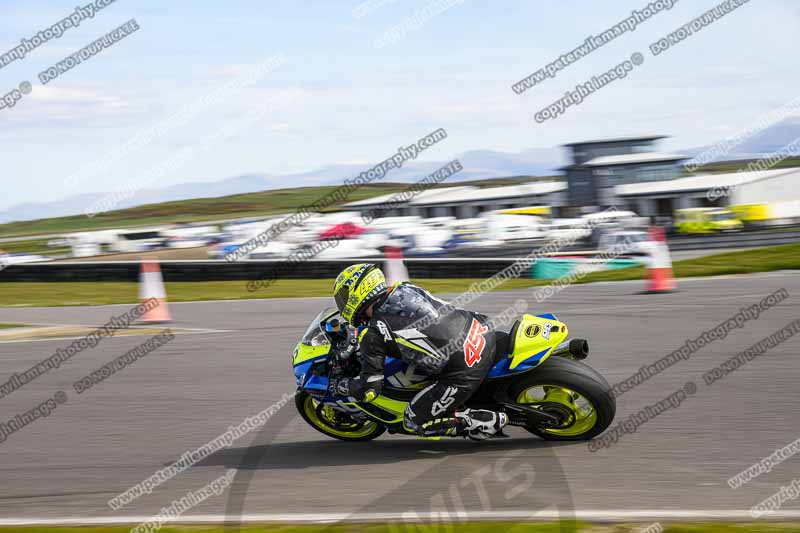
x: 314, y: 336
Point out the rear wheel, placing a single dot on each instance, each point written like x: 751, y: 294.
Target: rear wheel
x: 335, y: 423
x: 578, y: 395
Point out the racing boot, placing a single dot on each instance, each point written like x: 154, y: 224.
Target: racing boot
x: 480, y: 424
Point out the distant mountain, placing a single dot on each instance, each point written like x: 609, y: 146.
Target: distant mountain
x: 535, y: 162
x: 769, y: 141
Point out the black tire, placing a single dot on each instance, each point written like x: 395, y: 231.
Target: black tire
x: 300, y: 400
x: 577, y: 377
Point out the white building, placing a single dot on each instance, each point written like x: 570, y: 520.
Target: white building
x: 663, y: 198
x: 467, y: 201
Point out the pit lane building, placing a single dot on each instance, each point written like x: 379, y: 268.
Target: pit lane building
x: 468, y: 201
x: 662, y: 199
x: 599, y: 166
x: 629, y: 173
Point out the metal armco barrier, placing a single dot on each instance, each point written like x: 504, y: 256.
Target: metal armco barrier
x: 244, y: 270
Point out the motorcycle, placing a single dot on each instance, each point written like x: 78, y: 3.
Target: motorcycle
x: 538, y: 380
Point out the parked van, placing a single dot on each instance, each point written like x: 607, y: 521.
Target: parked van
x: 706, y: 220
x: 755, y: 214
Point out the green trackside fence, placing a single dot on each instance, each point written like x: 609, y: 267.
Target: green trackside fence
x: 554, y: 268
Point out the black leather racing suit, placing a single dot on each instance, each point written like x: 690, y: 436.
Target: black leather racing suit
x: 454, y: 345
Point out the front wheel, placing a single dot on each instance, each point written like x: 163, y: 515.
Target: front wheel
x: 334, y: 423
x: 578, y: 394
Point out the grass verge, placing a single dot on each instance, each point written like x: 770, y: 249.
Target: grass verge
x: 35, y: 246
x: 104, y: 293
x: 750, y: 261
x: 785, y: 257
x: 9, y: 326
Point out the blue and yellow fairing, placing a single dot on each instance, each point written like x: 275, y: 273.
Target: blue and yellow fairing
x: 532, y: 343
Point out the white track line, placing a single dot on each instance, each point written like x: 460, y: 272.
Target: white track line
x: 177, y: 331
x: 131, y: 304
x: 546, y: 515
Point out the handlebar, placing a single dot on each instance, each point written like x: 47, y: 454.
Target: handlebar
x: 344, y: 343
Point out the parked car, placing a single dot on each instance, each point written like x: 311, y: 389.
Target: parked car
x: 636, y: 242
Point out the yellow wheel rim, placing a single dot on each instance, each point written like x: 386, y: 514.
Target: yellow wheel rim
x: 325, y: 422
x: 583, y: 411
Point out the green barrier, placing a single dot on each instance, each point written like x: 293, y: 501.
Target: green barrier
x: 623, y: 263
x: 552, y: 268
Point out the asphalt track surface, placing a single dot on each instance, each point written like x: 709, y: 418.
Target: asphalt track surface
x: 101, y: 442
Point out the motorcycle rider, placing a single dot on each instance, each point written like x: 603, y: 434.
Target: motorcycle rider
x: 454, y: 345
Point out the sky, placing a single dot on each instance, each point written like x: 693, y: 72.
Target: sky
x: 244, y: 86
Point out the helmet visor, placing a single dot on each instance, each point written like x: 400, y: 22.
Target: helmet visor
x: 341, y: 297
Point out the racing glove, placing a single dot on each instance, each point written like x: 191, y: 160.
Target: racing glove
x: 363, y: 389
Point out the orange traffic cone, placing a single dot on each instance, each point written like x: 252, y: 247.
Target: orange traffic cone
x: 395, y: 269
x: 659, y: 268
x: 151, y: 285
